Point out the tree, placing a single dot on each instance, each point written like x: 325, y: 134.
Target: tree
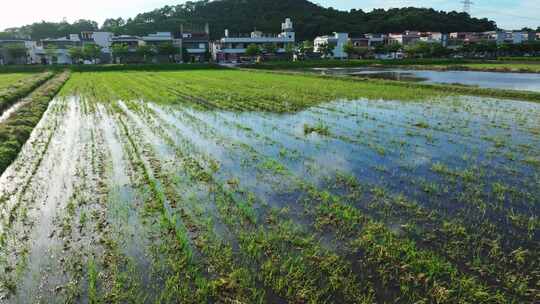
x: 438, y: 50
x: 270, y: 48
x: 16, y: 51
x: 167, y: 49
x: 362, y: 52
x: 76, y: 54
x: 327, y: 49
x: 147, y: 52
x: 419, y: 49
x: 289, y: 50
x: 120, y: 51
x: 314, y: 19
x: 253, y: 50
x: 185, y: 55
x: 426, y: 50
x: 305, y: 47
x: 113, y: 25
x: 91, y: 52
x: 349, y: 49
x: 207, y: 55
x: 51, y: 52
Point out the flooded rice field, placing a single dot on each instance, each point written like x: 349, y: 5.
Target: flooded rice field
x: 347, y: 201
x: 492, y: 80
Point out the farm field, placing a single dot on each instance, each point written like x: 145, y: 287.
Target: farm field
x: 226, y: 186
x: 7, y: 80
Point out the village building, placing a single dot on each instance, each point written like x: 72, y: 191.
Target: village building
x: 56, y: 50
x: 158, y: 38
x: 17, y: 51
x: 434, y: 37
x: 337, y: 42
x: 132, y: 42
x: 103, y: 40
x: 405, y: 38
x: 233, y: 47
x: 196, y: 44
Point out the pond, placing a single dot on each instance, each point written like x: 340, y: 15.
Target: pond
x: 493, y: 80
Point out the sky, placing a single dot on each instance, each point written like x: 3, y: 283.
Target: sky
x: 509, y: 14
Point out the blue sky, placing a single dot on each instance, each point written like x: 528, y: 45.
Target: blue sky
x: 509, y: 14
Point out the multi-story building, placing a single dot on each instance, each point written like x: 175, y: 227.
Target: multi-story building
x: 232, y: 48
x: 132, y: 42
x: 368, y: 40
x: 7, y: 55
x: 196, y: 43
x: 56, y: 50
x: 103, y: 40
x: 499, y: 37
x: 336, y: 41
x: 434, y: 37
x: 406, y: 38
x: 158, y: 38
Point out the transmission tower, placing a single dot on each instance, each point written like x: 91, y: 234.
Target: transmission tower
x: 467, y: 6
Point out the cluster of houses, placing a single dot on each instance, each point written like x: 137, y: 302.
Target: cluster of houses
x: 195, y: 46
x: 451, y: 40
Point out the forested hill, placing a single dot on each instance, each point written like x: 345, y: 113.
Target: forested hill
x: 310, y: 19
x: 242, y: 16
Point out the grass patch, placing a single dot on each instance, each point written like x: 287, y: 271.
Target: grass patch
x: 319, y: 128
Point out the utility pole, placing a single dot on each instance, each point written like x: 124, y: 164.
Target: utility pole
x: 467, y: 6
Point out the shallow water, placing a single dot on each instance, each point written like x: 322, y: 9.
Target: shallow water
x: 493, y: 80
x: 390, y: 145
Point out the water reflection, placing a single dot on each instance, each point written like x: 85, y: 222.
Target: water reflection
x: 494, y: 80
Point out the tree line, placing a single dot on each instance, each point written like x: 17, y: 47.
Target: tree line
x: 242, y: 16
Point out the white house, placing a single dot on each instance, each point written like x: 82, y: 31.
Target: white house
x: 55, y: 50
x: 158, y: 38
x: 231, y: 48
x: 434, y: 37
x: 405, y: 38
x: 338, y: 41
x: 103, y: 39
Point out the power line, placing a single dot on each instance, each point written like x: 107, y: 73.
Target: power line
x: 467, y: 6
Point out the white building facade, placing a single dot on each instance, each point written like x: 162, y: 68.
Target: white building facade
x: 338, y: 41
x: 231, y: 48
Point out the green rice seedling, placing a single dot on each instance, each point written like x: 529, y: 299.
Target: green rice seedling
x: 225, y: 203
x: 17, y: 128
x: 15, y: 87
x: 319, y: 128
x: 92, y: 282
